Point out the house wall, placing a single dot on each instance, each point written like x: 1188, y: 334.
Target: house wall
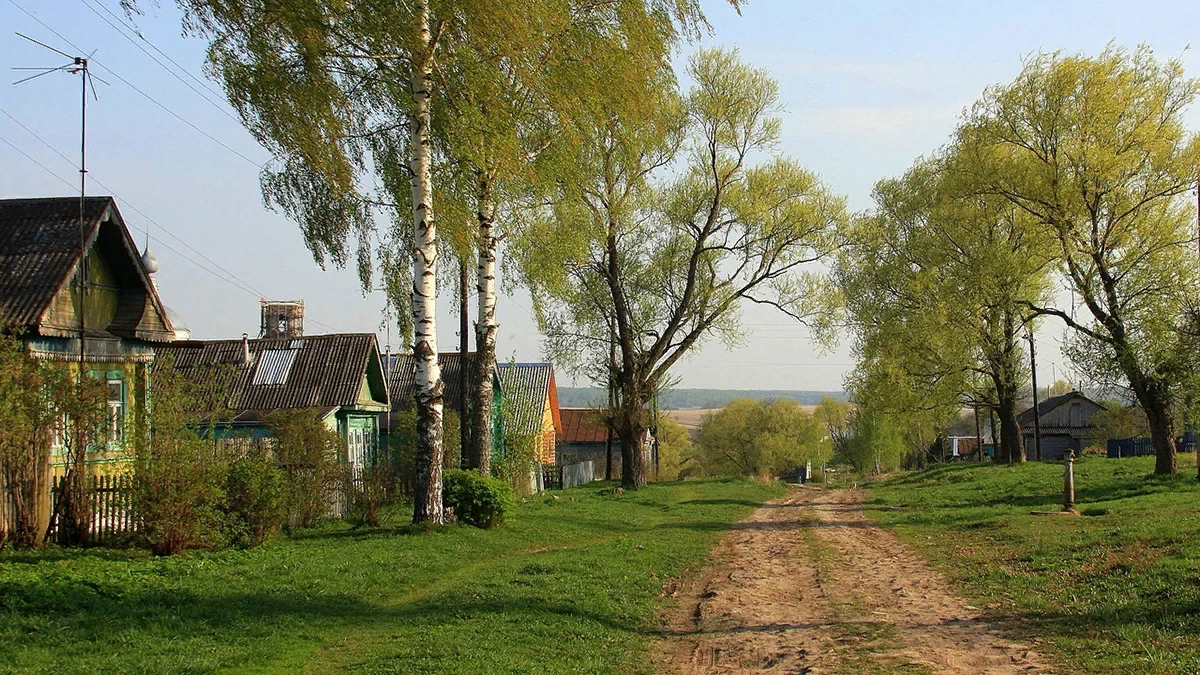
x: 113, y: 456
x: 1072, y: 413
x: 545, y: 450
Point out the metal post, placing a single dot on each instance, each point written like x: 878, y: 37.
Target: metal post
x: 1069, y: 482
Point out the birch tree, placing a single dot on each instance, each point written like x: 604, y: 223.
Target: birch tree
x: 668, y: 265
x: 1095, y: 151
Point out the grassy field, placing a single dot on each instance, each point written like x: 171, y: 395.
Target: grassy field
x: 569, y: 586
x: 1116, y: 590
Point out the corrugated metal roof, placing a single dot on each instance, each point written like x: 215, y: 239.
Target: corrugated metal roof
x: 526, y: 392
x: 318, y: 371
x: 402, y: 379
x: 39, y: 252
x: 583, y: 425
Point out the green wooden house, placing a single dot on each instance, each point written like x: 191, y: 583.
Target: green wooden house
x: 339, y: 377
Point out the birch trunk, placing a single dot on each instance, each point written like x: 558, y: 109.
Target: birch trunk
x: 485, y: 330
x: 427, y: 482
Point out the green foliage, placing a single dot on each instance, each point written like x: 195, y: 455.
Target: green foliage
x: 309, y: 453
x: 28, y: 424
x: 876, y: 444
x: 587, y: 571
x: 1095, y: 151
x: 675, y: 449
x: 1109, y: 592
x: 368, y: 491
x: 477, y: 500
x: 514, y: 466
x: 256, y: 500
x: 402, y: 446
x: 1119, y: 421
x: 750, y: 438
x: 179, y: 477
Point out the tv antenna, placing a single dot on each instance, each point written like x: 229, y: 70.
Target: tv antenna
x: 78, y: 65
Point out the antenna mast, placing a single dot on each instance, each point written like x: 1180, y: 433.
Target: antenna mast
x: 77, y: 66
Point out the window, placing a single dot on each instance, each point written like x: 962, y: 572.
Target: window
x: 116, y: 411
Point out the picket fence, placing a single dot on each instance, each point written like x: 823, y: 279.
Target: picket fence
x: 112, y: 508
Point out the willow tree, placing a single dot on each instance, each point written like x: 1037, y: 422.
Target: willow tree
x: 669, y: 265
x: 938, y: 280
x: 1095, y: 151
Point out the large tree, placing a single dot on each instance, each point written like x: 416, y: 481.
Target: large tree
x: 1095, y: 151
x: 667, y: 265
x: 936, y: 283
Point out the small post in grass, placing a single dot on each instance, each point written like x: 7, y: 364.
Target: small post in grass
x: 1069, y: 482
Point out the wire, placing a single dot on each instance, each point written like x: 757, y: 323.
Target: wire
x: 134, y: 208
x: 44, y: 167
x: 121, y: 29
x: 134, y: 87
x: 238, y: 284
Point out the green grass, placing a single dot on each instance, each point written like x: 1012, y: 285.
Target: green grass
x: 1116, y: 590
x: 568, y: 586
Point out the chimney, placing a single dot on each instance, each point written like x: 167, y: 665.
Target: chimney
x: 245, y: 349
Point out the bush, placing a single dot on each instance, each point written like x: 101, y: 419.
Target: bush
x: 367, y: 492
x: 255, y: 500
x: 308, y: 453
x: 477, y: 500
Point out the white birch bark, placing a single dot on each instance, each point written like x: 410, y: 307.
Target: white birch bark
x: 427, y: 483
x: 485, y: 328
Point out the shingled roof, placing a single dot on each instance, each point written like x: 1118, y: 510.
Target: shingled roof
x: 40, y: 251
x: 528, y: 388
x: 1025, y: 418
x: 317, y: 371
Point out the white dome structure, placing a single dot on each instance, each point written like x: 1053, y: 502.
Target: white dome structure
x: 151, y: 264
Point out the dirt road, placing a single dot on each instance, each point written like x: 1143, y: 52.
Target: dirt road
x: 809, y: 585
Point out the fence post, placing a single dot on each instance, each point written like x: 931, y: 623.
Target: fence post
x: 1069, y: 481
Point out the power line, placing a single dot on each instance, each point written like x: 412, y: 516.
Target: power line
x: 238, y: 284
x: 139, y: 90
x: 121, y: 29
x: 134, y: 208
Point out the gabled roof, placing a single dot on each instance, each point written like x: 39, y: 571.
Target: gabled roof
x: 316, y: 371
x: 1025, y: 418
x: 40, y: 251
x: 583, y: 425
x: 402, y: 373
x: 528, y: 389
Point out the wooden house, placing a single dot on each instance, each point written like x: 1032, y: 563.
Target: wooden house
x: 531, y: 406
x: 339, y: 377
x: 41, y: 300
x: 1066, y: 423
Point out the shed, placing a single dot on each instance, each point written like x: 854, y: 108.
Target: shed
x: 1067, y: 424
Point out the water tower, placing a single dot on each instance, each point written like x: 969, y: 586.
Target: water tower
x: 282, y: 319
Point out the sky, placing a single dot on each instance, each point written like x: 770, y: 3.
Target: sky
x: 867, y: 87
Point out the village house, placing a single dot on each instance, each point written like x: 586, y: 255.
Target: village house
x: 119, y: 313
x: 531, y: 400
x: 1066, y: 424
x: 339, y: 377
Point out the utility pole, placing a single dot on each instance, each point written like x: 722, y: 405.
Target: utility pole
x: 1037, y: 417
x: 612, y: 404
x: 464, y: 325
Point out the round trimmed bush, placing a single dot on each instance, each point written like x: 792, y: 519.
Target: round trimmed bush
x: 476, y: 499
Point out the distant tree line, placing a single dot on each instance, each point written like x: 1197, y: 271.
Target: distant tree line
x: 682, y: 399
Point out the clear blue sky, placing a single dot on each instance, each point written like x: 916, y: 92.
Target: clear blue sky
x: 868, y: 87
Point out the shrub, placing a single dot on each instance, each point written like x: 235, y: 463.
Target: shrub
x: 477, y: 500
x: 367, y: 493
x: 308, y: 453
x: 255, y: 500
x: 179, y: 476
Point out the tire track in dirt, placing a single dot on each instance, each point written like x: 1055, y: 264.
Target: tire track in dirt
x: 809, y: 585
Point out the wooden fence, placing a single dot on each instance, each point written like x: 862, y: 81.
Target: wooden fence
x: 112, y: 508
